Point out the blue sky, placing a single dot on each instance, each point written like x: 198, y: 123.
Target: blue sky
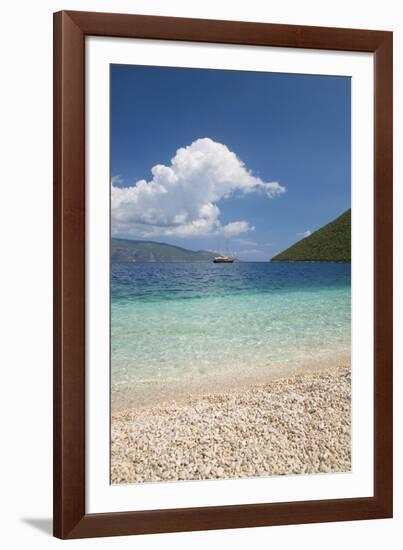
x: 210, y: 159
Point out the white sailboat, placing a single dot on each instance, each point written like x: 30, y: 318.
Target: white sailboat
x: 224, y: 258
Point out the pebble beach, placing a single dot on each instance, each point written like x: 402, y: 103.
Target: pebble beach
x: 294, y: 425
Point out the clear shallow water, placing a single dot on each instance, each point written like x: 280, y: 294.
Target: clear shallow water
x: 203, y: 325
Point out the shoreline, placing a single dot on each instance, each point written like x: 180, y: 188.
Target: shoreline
x: 141, y: 394
x: 298, y: 424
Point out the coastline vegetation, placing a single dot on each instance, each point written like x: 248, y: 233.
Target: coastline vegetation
x: 330, y: 243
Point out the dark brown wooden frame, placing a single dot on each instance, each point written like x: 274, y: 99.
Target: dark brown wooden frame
x: 70, y: 517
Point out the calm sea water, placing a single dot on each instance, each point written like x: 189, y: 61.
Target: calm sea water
x: 202, y: 325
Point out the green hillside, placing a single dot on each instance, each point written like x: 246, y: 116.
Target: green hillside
x: 330, y: 243
x: 126, y: 250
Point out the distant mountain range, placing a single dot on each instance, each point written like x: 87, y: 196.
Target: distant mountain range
x: 330, y: 243
x: 127, y: 250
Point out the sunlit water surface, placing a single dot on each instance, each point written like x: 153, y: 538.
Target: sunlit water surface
x: 193, y: 327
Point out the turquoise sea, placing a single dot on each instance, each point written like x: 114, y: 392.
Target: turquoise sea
x: 189, y: 327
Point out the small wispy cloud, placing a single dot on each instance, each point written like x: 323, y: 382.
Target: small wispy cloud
x: 304, y: 233
x: 117, y: 181
x: 236, y: 228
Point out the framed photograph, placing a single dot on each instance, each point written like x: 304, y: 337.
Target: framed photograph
x: 222, y: 272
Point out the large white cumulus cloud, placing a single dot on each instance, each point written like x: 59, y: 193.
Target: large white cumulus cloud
x: 181, y: 199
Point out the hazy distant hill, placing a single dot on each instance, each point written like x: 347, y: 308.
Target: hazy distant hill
x: 330, y: 243
x: 126, y: 250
